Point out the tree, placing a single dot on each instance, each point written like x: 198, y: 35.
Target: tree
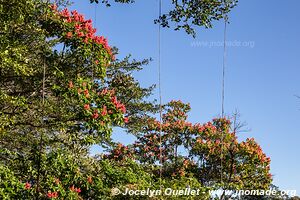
x: 53, y: 93
x: 62, y: 90
x: 214, y: 157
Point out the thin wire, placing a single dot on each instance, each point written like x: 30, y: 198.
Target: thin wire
x: 224, y: 64
x: 160, y: 93
x: 223, y: 89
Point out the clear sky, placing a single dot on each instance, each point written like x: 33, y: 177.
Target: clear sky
x: 262, y: 76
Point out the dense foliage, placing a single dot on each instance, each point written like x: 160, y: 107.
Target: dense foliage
x: 62, y: 90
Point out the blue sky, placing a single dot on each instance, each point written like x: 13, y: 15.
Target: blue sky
x: 262, y: 76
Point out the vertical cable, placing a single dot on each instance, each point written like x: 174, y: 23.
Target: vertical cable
x: 224, y: 64
x: 160, y: 96
x: 223, y: 90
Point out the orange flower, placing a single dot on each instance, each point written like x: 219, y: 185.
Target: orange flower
x: 86, y: 93
x: 27, y: 186
x: 69, y: 35
x: 71, y: 84
x: 57, y: 181
x: 89, y: 179
x: 104, y: 111
x: 86, y: 106
x: 53, y: 6
x: 52, y: 195
x: 95, y: 115
x: 74, y: 189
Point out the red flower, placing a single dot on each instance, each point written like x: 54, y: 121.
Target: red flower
x: 86, y: 106
x: 270, y: 175
x: 71, y: 84
x: 69, y: 20
x: 97, y: 62
x: 104, y: 111
x: 88, y: 26
x: 80, y: 34
x: 104, y: 91
x: 126, y: 120
x: 89, y: 179
x: 69, y: 35
x: 78, y: 190
x: 76, y: 18
x: 89, y: 35
x: 52, y: 195
x: 77, y: 27
x: 113, y: 57
x: 93, y: 31
x: 86, y: 93
x: 95, y: 115
x: 49, y: 194
x: 53, y: 6
x: 80, y: 18
x: 121, y: 107
x: 74, y: 189
x: 181, y: 172
x: 65, y: 13
x: 185, y: 162
x: 57, y: 181
x: 27, y: 186
x: 74, y: 12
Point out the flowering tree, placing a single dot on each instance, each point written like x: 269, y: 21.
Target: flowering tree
x: 53, y: 95
x: 62, y: 90
x: 72, y: 62
x: 213, y: 155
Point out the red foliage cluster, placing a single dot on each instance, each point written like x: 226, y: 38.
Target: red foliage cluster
x: 75, y: 189
x: 95, y: 112
x: 148, y: 147
x: 90, y: 180
x: 52, y: 195
x: 82, y: 29
x: 182, y: 167
x: 119, y: 153
x: 118, y: 104
x: 251, y: 147
x: 27, y: 186
x: 206, y: 128
x: 60, y: 190
x: 211, y: 143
